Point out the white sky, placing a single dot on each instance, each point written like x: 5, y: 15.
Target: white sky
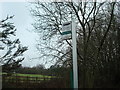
x: 22, y: 20
x: 57, y: 0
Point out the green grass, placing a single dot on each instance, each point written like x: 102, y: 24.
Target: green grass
x: 32, y: 75
x: 1, y: 73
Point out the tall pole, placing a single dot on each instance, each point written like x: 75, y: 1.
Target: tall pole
x: 74, y: 53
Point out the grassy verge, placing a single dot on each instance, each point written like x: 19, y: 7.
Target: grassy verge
x: 29, y: 77
x: 32, y: 75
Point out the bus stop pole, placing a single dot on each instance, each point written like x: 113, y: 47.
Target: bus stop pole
x: 74, y: 53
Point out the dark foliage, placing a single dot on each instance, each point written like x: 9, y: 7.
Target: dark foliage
x: 13, y: 49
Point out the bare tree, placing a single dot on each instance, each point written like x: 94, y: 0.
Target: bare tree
x: 94, y: 22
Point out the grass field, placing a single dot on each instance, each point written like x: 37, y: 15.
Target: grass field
x: 30, y: 75
x: 18, y: 80
x: 33, y: 77
x: 24, y: 80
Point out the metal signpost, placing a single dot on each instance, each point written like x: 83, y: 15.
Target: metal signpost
x: 74, y: 52
x: 68, y: 27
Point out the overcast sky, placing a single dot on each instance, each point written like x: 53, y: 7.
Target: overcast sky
x: 22, y: 20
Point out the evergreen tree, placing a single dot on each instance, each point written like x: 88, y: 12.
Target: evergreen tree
x: 11, y: 50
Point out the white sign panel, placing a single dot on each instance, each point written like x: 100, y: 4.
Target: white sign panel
x: 67, y: 26
x: 66, y: 30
